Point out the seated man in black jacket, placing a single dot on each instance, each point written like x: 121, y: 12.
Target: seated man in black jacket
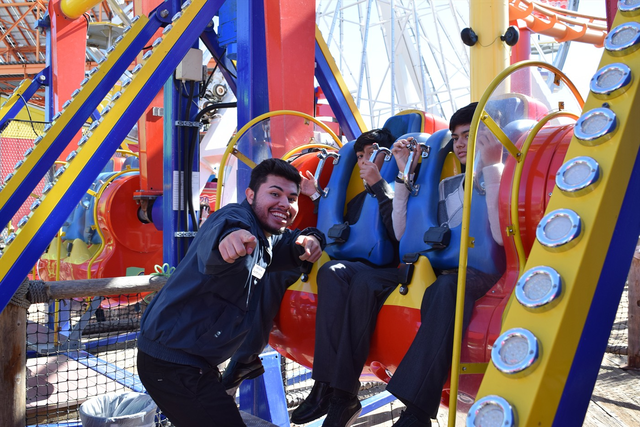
x: 199, y: 319
x: 334, y: 281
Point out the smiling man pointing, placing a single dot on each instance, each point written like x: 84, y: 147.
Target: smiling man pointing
x: 199, y: 318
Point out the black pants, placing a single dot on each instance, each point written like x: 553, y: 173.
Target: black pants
x: 263, y: 307
x: 336, y: 329
x: 419, y: 378
x: 188, y: 396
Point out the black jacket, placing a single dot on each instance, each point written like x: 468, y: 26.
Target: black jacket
x: 198, y: 318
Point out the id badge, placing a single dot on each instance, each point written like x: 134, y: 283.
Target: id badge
x: 258, y: 271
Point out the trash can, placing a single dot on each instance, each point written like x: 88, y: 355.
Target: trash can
x: 119, y: 409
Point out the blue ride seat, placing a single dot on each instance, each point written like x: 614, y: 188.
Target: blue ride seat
x: 73, y: 227
x: 368, y: 239
x: 422, y: 210
x: 131, y: 162
x: 401, y: 124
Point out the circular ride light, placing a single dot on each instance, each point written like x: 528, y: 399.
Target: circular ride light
x: 578, y: 176
x: 516, y: 352
x: 610, y: 81
x: 623, y: 39
x: 176, y: 17
x: 629, y: 7
x: 67, y: 103
x: 596, y: 126
x: 156, y: 42
x: 75, y: 93
x: 491, y: 411
x: 38, y: 139
x: 84, y: 81
x: 167, y: 29
x: 8, y: 177
x: 147, y: 55
x: 559, y: 230
x: 539, y: 289
x: 29, y: 151
x: 18, y: 164
x: 136, y: 69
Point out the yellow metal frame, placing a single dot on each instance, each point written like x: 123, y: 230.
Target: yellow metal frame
x: 481, y: 115
x: 231, y: 147
x: 17, y: 95
x: 514, y: 227
x: 536, y: 396
x: 83, y: 154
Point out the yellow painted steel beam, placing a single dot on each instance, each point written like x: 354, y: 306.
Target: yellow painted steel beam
x: 15, y: 97
x: 489, y: 19
x: 50, y: 200
x: 74, y: 9
x: 536, y: 395
x: 68, y: 113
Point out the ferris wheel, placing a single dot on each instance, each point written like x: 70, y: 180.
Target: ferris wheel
x: 408, y: 54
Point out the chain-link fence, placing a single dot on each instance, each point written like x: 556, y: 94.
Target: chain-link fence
x: 78, y: 349
x: 81, y: 348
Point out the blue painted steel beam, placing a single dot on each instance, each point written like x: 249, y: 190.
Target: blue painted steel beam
x: 368, y: 405
x: 264, y: 396
x: 253, y: 83
x: 129, y: 116
x: 109, y: 370
x: 131, y: 336
x: 179, y: 139
x: 210, y: 40
x: 335, y: 96
x: 35, y: 175
x: 41, y: 79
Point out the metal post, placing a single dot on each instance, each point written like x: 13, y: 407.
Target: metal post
x: 13, y: 330
x: 633, y: 349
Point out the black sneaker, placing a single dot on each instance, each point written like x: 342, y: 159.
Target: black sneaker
x: 409, y: 420
x: 237, y: 372
x: 342, y: 412
x: 315, y: 405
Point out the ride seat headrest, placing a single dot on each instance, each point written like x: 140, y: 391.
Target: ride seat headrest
x: 404, y: 123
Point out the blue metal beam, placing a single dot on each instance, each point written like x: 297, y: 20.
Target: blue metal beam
x: 126, y: 118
